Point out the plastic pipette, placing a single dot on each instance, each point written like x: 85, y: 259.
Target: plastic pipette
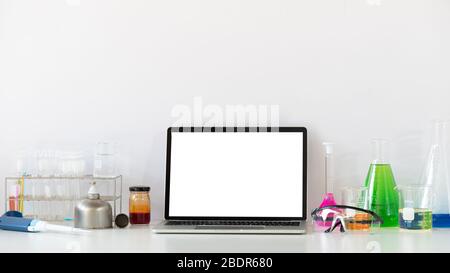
x: 14, y: 221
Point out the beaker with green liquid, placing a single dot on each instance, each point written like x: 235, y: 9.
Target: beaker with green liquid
x: 380, y: 182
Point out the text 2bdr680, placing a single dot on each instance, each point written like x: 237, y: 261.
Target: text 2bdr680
x: 247, y: 262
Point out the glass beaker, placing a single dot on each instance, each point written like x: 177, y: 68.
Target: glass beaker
x: 105, y: 160
x: 356, y: 197
x: 380, y: 182
x: 436, y: 176
x: 415, y: 207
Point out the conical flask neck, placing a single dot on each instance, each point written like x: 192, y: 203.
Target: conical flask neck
x: 379, y: 151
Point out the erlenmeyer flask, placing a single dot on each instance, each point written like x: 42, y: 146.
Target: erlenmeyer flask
x: 436, y: 176
x: 383, y: 196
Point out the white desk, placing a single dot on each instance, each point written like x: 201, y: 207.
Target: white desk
x: 141, y: 239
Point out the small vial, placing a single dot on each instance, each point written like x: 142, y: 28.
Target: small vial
x: 140, y: 208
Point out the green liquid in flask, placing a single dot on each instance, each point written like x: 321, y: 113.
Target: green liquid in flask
x: 383, y: 197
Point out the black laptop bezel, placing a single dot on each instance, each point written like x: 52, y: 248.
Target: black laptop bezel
x: 234, y: 130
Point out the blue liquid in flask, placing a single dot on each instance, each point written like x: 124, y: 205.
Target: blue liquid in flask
x: 441, y: 220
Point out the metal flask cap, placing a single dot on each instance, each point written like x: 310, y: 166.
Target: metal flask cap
x: 93, y: 213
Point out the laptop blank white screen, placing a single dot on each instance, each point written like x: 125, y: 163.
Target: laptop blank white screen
x: 236, y: 174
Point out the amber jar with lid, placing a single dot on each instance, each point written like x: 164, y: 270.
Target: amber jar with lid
x: 140, y: 205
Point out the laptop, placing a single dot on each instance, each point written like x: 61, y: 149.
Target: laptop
x: 235, y: 180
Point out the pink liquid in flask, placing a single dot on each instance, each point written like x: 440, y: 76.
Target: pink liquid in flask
x: 328, y: 199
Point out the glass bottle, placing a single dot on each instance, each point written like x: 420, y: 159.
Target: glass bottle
x: 383, y: 196
x: 140, y: 207
x: 436, y: 177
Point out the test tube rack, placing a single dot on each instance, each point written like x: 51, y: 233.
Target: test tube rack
x: 54, y: 198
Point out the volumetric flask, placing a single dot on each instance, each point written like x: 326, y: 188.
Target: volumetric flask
x: 321, y: 224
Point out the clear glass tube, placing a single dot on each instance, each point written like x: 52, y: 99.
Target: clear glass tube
x: 329, y: 167
x: 379, y: 146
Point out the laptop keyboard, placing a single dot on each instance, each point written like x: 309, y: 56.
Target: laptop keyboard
x: 233, y: 223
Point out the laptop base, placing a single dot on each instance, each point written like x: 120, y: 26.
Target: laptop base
x: 167, y: 228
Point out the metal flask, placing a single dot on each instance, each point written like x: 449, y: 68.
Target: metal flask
x: 93, y: 213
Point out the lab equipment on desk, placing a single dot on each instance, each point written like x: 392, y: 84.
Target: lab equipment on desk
x: 356, y: 197
x: 415, y: 207
x: 343, y: 216
x: 93, y: 213
x: 14, y: 221
x: 54, y: 198
x: 328, y: 198
x: 436, y: 177
x: 105, y: 160
x: 380, y: 182
x: 140, y: 206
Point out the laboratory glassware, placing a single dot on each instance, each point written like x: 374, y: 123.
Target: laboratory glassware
x: 356, y: 197
x: 140, y: 206
x: 23, y: 164
x: 328, y: 198
x: 436, y: 176
x: 54, y: 198
x: 380, y: 182
x: 415, y: 207
x: 105, y: 160
x: 13, y: 198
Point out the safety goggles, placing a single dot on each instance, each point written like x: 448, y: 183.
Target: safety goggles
x: 347, y: 218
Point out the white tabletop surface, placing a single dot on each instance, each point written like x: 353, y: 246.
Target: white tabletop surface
x: 142, y: 239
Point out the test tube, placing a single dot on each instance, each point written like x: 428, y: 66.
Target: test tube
x: 40, y: 205
x: 59, y: 205
x: 14, y: 197
x: 48, y: 201
x: 33, y: 198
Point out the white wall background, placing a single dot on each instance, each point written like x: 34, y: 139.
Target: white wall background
x: 74, y: 72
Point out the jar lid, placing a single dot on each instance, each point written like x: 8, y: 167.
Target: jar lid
x: 140, y: 188
x: 122, y: 221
